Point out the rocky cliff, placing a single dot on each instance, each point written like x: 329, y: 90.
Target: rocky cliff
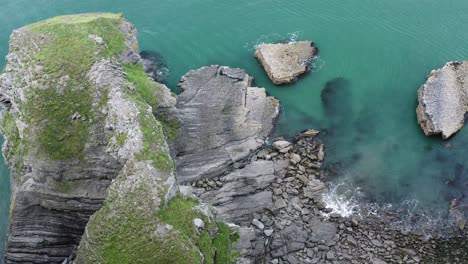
x: 81, y: 115
x: 443, y: 100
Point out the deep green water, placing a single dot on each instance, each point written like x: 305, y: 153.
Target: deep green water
x: 374, y: 54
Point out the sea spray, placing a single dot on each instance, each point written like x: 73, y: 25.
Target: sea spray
x: 407, y: 216
x: 344, y: 203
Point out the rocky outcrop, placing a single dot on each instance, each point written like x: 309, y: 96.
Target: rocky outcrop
x: 443, y: 100
x: 223, y: 120
x: 60, y: 146
x: 284, y: 62
x: 82, y: 116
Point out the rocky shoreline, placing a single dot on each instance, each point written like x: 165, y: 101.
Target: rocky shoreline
x: 273, y: 195
x: 113, y: 177
x: 298, y: 228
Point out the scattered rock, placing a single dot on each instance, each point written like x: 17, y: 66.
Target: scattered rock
x: 282, y: 146
x: 258, y: 224
x: 268, y: 232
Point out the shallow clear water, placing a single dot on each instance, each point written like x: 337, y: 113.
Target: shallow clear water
x: 374, y: 55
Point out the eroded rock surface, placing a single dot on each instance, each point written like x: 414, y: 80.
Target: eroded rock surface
x: 284, y: 62
x: 223, y: 120
x: 443, y: 100
x: 80, y: 118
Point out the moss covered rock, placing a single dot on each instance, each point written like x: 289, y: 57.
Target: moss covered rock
x: 79, y: 113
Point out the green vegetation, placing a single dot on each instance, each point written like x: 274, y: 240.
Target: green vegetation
x: 153, y: 139
x: 121, y: 138
x: 170, y: 127
x: 123, y: 231
x: 60, y: 135
x: 145, y: 89
x: 223, y: 243
x: 180, y: 214
x: 70, y: 50
x: 130, y: 237
x: 65, y: 186
x: 17, y: 147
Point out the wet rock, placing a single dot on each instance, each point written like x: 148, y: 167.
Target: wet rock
x: 284, y: 62
x: 443, y: 100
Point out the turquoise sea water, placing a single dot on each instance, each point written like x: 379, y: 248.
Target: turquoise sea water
x: 373, y: 56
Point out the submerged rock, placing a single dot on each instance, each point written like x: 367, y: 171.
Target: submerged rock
x: 443, y: 100
x: 223, y: 119
x: 284, y: 62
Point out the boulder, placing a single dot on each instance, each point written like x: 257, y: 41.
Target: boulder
x: 443, y: 100
x: 284, y: 62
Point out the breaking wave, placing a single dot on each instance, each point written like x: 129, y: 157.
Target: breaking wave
x: 407, y: 216
x: 291, y: 37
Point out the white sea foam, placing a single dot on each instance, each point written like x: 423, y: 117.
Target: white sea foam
x: 345, y: 204
x: 408, y: 215
x: 291, y: 37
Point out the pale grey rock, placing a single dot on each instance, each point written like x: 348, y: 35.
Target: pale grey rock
x: 258, y: 224
x: 282, y: 146
x: 284, y: 62
x: 268, y: 232
x: 280, y: 203
x: 295, y: 158
x: 198, y: 223
x: 443, y: 100
x: 223, y: 119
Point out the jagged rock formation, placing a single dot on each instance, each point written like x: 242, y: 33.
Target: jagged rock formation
x: 223, y: 120
x: 81, y: 116
x: 443, y: 100
x: 284, y: 62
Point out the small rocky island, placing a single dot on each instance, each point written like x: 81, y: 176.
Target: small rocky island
x: 108, y: 166
x: 443, y: 100
x: 284, y: 62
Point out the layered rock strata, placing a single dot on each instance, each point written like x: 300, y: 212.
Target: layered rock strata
x: 284, y: 62
x: 443, y: 100
x: 223, y: 120
x: 81, y: 116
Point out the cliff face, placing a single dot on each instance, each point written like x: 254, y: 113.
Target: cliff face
x: 86, y: 134
x: 77, y: 109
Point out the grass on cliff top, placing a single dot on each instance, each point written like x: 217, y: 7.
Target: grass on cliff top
x: 180, y: 214
x: 126, y: 230
x: 130, y: 237
x: 51, y: 111
x: 69, y: 51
